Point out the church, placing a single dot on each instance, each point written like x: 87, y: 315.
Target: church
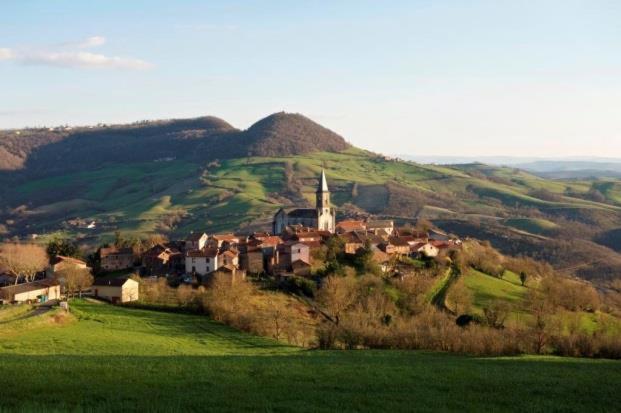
x: 322, y: 217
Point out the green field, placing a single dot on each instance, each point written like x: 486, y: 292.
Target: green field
x: 105, y: 358
x: 486, y: 289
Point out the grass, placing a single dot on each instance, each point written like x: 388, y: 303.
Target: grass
x: 105, y: 358
x: 532, y: 225
x: 486, y: 289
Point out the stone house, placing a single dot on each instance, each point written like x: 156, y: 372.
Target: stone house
x: 381, y: 227
x: 114, y: 259
x: 162, y: 259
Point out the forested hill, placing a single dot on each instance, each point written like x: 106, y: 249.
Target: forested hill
x: 44, y: 151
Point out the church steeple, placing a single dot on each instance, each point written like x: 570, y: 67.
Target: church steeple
x: 323, y: 183
x: 323, y: 194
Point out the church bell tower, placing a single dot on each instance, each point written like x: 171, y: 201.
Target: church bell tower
x: 323, y: 194
x: 326, y: 215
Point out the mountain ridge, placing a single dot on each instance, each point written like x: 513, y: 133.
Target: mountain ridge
x: 53, y: 150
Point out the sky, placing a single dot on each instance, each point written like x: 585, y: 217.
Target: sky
x: 442, y: 77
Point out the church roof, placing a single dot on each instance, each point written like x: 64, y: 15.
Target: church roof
x: 302, y: 213
x: 323, y: 182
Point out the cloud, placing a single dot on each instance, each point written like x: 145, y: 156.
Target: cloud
x: 74, y: 58
x: 6, y: 54
x: 93, y: 41
x: 82, y: 59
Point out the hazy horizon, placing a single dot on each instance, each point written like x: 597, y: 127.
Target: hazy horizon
x: 431, y: 78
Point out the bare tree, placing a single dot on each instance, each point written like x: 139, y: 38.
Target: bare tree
x: 23, y: 260
x: 75, y: 280
x: 337, y: 295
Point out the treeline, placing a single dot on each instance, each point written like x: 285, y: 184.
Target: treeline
x: 351, y: 308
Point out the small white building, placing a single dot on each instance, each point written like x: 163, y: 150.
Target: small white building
x: 202, y: 262
x: 116, y: 290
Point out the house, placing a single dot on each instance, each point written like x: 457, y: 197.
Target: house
x: 356, y: 240
x: 202, y: 261
x: 196, y: 241
x: 60, y: 263
x: 396, y: 245
x: 162, y: 259
x: 114, y: 259
x: 381, y: 227
x: 427, y: 250
x: 289, y: 253
x: 228, y: 257
x: 381, y: 258
x: 322, y: 217
x: 350, y: 226
x: 116, y: 290
x: 36, y: 291
x: 251, y: 260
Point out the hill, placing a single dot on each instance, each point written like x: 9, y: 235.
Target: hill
x: 176, y: 176
x: 49, y: 151
x: 161, y: 362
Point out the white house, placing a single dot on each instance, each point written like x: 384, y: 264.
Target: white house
x: 116, y: 290
x: 202, y: 261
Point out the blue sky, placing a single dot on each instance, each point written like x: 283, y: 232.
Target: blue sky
x: 530, y: 78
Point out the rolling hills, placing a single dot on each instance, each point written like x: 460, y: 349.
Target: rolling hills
x: 107, y: 358
x: 180, y: 175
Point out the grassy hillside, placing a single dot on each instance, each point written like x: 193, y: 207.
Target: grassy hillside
x: 162, y: 362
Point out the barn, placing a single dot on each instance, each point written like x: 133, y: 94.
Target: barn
x: 37, y: 291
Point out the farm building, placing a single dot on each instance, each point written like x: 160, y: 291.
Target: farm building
x: 37, y: 291
x: 116, y: 290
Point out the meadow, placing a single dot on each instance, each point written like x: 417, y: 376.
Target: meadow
x: 105, y: 358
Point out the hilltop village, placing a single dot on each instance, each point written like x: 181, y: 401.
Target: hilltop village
x: 296, y: 246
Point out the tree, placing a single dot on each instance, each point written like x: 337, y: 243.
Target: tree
x: 23, y: 260
x: 496, y: 313
x: 336, y: 296
x: 62, y: 246
x: 461, y: 297
x: 523, y: 277
x: 75, y: 280
x: 365, y: 260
